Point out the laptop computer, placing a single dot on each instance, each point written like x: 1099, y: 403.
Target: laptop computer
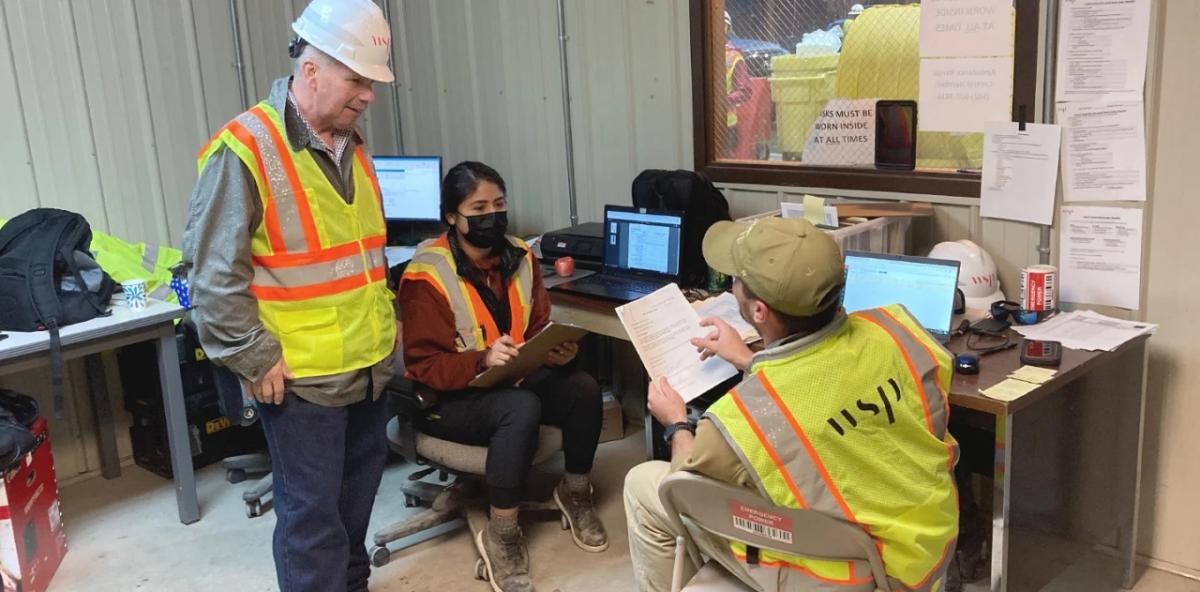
x: 641, y: 254
x: 924, y: 286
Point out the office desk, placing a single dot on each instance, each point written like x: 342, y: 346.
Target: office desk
x: 25, y: 351
x: 1067, y: 456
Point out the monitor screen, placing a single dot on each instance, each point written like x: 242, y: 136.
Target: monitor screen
x: 642, y: 240
x: 411, y: 186
x: 924, y: 286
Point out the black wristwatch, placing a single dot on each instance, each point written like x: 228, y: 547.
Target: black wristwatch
x: 675, y: 427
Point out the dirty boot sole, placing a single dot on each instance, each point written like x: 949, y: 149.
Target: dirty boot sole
x: 487, y: 562
x: 571, y: 526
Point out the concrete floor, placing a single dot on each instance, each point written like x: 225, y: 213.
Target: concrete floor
x: 124, y: 535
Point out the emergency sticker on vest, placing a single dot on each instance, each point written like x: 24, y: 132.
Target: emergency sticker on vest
x: 761, y: 522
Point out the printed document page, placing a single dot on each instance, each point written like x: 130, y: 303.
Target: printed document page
x: 1020, y: 171
x: 661, y: 326
x: 1102, y: 49
x: 725, y: 307
x: 1104, y: 151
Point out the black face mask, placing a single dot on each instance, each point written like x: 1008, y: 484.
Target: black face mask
x: 486, y: 231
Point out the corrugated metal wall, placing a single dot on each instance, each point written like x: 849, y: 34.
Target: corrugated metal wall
x: 481, y: 81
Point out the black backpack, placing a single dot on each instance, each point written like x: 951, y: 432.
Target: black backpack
x: 49, y: 279
x: 702, y: 205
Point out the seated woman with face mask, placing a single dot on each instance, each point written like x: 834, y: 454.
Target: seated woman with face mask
x: 468, y: 300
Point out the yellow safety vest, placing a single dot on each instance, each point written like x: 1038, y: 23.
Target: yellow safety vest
x: 319, y: 268
x: 476, y: 329
x: 732, y: 58
x: 124, y: 260
x: 852, y: 423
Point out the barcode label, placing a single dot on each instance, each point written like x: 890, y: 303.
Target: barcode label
x: 761, y: 523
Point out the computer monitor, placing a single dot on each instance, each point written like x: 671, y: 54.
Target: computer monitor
x: 641, y: 241
x: 924, y: 286
x: 411, y: 186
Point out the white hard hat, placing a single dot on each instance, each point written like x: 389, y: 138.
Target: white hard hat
x: 977, y: 276
x: 728, y: 21
x: 352, y: 32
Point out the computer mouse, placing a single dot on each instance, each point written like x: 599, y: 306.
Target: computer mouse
x: 966, y: 364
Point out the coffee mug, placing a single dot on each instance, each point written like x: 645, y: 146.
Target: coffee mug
x: 135, y: 293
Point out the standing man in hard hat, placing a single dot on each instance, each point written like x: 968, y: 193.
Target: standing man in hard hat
x: 737, y: 86
x: 284, y: 243
x: 840, y: 414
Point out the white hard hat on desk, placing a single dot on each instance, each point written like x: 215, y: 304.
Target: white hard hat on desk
x: 977, y: 276
x: 353, y: 32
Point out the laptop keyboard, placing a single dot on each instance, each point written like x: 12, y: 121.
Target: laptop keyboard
x: 630, y: 284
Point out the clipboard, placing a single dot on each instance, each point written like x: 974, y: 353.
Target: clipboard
x: 533, y: 355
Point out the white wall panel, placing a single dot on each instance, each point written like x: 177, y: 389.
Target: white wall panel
x: 118, y: 102
x: 20, y: 192
x: 46, y: 56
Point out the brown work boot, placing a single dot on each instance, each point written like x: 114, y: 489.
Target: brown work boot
x: 507, y: 560
x: 579, y: 514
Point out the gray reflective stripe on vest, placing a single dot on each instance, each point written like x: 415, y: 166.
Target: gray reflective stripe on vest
x: 741, y: 454
x: 161, y: 292
x: 150, y: 258
x: 458, y: 302
x: 313, y: 273
x: 524, y: 277
x: 376, y: 258
x: 280, y: 190
x: 782, y: 438
x: 923, y: 363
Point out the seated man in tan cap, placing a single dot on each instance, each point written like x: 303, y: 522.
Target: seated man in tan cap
x: 841, y: 414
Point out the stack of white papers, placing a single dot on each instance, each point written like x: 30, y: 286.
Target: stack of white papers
x: 725, y: 307
x: 1086, y: 330
x: 661, y: 326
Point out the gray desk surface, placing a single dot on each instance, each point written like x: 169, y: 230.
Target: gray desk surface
x: 121, y: 320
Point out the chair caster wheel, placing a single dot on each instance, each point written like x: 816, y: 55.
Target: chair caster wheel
x: 481, y: 573
x: 380, y: 556
x: 254, y: 509
x: 235, y: 475
x: 411, y: 501
x: 566, y: 525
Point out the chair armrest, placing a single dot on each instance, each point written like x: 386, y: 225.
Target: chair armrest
x: 412, y: 393
x: 407, y: 399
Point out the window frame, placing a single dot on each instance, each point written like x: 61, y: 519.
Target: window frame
x: 704, y: 118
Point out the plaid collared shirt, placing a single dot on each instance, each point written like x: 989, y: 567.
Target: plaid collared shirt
x: 341, y: 138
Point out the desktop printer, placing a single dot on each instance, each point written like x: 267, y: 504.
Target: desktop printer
x: 584, y: 243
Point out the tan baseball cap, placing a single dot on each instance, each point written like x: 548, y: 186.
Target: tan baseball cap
x: 788, y: 263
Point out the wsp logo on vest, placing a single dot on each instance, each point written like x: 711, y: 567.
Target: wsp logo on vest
x: 869, y: 407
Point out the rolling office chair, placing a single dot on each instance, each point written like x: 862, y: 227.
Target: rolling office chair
x: 705, y: 502
x: 462, y: 499
x: 236, y: 406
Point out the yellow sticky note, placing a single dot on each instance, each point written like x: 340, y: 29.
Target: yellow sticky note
x: 814, y: 209
x: 1009, y: 389
x: 1033, y: 374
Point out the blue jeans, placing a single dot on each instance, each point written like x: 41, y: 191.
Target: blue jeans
x: 326, y: 464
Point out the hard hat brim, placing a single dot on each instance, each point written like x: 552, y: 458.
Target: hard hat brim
x: 377, y: 73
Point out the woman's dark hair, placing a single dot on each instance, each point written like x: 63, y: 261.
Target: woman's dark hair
x: 462, y: 180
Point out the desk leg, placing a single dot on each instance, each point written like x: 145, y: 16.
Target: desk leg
x: 177, y: 429
x: 1001, y: 493
x: 1127, y: 536
x: 102, y: 416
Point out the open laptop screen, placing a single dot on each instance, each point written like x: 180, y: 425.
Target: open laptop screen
x: 924, y: 286
x: 642, y: 241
